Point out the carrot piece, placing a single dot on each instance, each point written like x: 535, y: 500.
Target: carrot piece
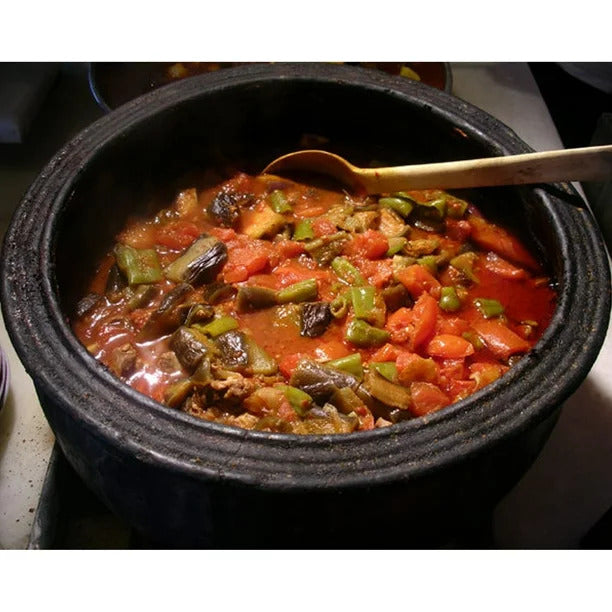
x: 448, y: 346
x: 418, y: 280
x: 426, y: 398
x: 494, y: 238
x: 500, y: 340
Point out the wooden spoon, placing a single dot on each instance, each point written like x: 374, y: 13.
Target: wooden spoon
x: 584, y: 164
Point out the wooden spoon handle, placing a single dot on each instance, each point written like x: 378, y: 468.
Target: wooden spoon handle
x: 583, y: 164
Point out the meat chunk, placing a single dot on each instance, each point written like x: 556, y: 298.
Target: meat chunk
x: 124, y: 360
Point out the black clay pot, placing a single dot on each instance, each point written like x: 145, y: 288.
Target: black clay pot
x: 185, y: 482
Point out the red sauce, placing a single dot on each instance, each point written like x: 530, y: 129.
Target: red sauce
x: 456, y: 300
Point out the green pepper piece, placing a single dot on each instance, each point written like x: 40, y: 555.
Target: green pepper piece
x: 396, y: 244
x: 300, y: 400
x: 362, y: 299
x: 474, y: 339
x: 388, y: 369
x: 259, y: 360
x: 437, y: 207
x: 465, y: 263
x: 430, y: 262
x: 489, y: 308
x: 363, y: 334
x: 217, y: 326
x: 303, y: 291
x: 339, y: 306
x: 351, y: 364
x: 400, y: 205
x: 138, y: 265
x: 278, y: 202
x: 449, y: 300
x: 346, y: 271
x: 303, y: 230
x: 455, y: 208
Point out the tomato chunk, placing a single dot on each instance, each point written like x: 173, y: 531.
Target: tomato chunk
x: 418, y: 280
x: 425, y: 313
x: 494, y: 263
x: 412, y: 367
x: 414, y: 325
x: 496, y: 239
x: 448, y: 346
x: 177, y: 234
x: 500, y: 340
x: 371, y: 244
x: 426, y: 398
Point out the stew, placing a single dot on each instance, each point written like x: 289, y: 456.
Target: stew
x: 273, y: 305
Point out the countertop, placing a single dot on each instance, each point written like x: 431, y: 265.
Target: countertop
x: 565, y: 492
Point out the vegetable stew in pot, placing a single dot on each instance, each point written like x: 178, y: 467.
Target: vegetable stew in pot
x: 273, y: 305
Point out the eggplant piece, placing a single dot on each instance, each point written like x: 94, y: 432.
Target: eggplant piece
x: 346, y: 400
x: 396, y: 296
x: 200, y: 263
x: 233, y: 349
x: 199, y: 313
x: 205, y: 268
x: 141, y: 297
x: 264, y: 222
x: 202, y: 375
x: 360, y: 221
x: 86, y: 304
x: 168, y: 316
x: 315, y: 319
x: 115, y: 282
x: 326, y: 420
x: 251, y: 297
x: 191, y: 346
x: 326, y: 248
x: 178, y: 392
x: 387, y: 392
x: 224, y: 208
x: 320, y: 381
x: 217, y: 292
